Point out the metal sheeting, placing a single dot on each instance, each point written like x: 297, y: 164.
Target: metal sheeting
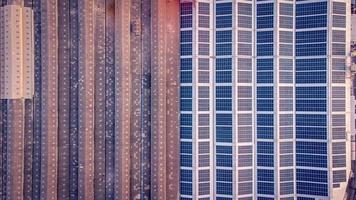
x: 103, y: 123
x: 37, y: 108
x: 109, y: 98
x: 13, y: 114
x: 28, y: 149
x: 63, y: 99
x: 74, y: 88
x: 100, y: 100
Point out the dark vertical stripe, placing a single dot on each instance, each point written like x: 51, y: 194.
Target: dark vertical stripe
x: 1, y: 146
x: 74, y: 126
x: 63, y: 99
x: 146, y: 98
x: 37, y: 102
x: 86, y: 100
x: 28, y: 159
x: 8, y: 152
x: 110, y: 98
x: 15, y: 148
x: 45, y: 100
x: 4, y: 148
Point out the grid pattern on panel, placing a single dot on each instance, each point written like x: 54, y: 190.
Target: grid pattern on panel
x: 338, y: 92
x: 244, y: 99
x: 265, y: 97
x: 244, y: 102
x: 203, y: 95
x: 223, y: 99
x: 311, y: 95
x: 266, y: 80
x: 186, y: 100
x: 285, y: 88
